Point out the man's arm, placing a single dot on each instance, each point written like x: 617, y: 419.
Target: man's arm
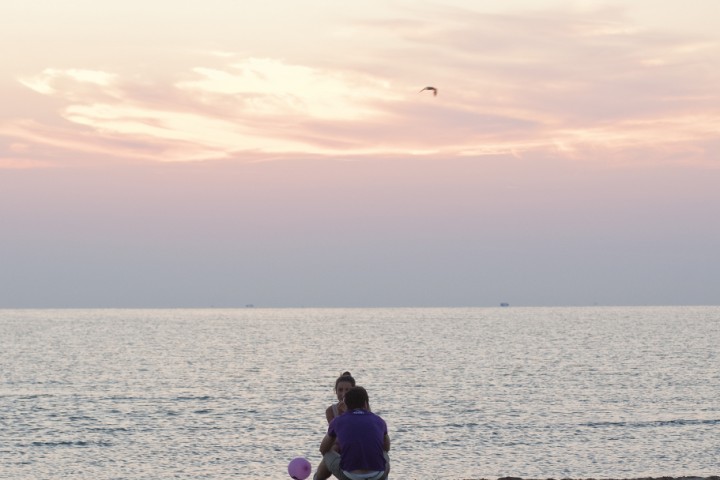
x: 386, y: 442
x: 326, y: 444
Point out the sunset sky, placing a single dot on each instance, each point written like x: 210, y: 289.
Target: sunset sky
x: 281, y: 153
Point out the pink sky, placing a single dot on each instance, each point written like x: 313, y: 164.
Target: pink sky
x: 278, y: 153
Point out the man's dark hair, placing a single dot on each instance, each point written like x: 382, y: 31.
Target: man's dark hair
x: 356, y: 397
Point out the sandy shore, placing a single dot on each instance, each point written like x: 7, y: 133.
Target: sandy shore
x: 713, y: 477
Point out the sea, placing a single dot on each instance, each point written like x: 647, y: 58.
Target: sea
x: 592, y: 392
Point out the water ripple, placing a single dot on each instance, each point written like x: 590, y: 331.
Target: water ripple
x: 467, y: 393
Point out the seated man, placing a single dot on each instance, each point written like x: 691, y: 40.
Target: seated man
x: 363, y: 440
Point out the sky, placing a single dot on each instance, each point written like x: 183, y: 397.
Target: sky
x: 220, y: 153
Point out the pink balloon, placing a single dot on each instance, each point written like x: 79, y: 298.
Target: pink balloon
x: 299, y: 468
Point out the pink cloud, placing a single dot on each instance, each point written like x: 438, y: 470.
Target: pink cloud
x: 570, y: 83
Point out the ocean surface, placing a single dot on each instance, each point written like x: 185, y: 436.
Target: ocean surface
x: 598, y: 392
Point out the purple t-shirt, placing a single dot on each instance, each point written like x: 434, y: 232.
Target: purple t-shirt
x: 361, y: 436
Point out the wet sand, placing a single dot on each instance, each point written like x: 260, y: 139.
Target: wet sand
x: 713, y: 477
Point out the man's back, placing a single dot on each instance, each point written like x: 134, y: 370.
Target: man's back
x: 361, y: 436
x: 362, y: 439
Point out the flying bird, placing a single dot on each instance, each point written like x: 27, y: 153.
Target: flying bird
x: 434, y: 90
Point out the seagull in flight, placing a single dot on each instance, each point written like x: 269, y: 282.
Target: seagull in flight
x: 434, y: 90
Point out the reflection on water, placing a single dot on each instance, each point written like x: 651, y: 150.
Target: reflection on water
x: 466, y: 393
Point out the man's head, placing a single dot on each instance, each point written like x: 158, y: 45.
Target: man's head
x: 356, y: 397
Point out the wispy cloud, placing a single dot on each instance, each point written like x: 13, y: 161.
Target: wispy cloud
x: 569, y: 83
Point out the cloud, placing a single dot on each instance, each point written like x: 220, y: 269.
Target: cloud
x: 273, y: 87
x: 581, y: 84
x: 249, y: 105
x: 50, y: 80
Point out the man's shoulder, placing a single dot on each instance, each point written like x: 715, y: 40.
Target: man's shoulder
x: 374, y: 418
x: 365, y: 412
x: 359, y: 413
x: 355, y: 414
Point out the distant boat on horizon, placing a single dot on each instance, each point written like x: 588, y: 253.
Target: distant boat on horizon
x: 504, y: 304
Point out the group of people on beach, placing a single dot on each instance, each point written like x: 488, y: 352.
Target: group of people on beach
x: 356, y: 444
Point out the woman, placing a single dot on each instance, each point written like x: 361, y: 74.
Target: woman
x: 343, y: 383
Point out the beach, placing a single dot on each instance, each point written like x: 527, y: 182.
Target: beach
x: 713, y: 477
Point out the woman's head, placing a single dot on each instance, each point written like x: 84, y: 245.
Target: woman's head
x: 343, y: 383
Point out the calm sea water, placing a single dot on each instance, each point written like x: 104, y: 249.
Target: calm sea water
x: 467, y: 393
